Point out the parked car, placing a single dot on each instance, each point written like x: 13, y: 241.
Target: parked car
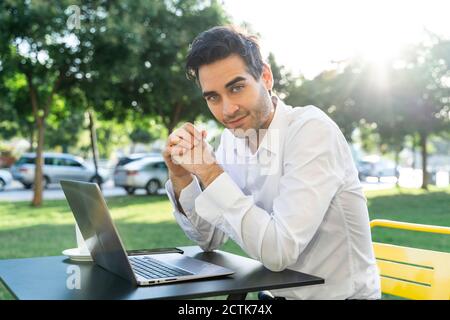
x: 377, y: 169
x: 57, y: 166
x: 5, y: 178
x: 135, y: 156
x: 149, y: 173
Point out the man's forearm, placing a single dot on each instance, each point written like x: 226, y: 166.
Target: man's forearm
x: 178, y: 184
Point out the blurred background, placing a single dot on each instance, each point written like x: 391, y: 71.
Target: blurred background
x: 102, y: 80
x: 96, y: 86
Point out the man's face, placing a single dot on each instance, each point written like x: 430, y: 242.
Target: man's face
x: 234, y: 97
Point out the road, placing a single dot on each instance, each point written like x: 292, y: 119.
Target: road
x: 15, y: 191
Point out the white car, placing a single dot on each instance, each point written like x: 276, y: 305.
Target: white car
x: 5, y: 178
x: 149, y: 173
x: 57, y: 166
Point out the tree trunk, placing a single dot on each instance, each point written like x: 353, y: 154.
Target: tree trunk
x: 93, y: 144
x: 39, y: 117
x: 32, y: 131
x: 38, y: 172
x: 414, y: 146
x: 39, y: 120
x: 169, y: 127
x: 174, y: 119
x: 423, y: 145
x: 397, y: 174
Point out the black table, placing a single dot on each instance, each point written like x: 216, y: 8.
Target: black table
x: 47, y: 278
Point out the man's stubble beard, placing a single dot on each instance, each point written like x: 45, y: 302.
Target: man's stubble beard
x: 260, y: 116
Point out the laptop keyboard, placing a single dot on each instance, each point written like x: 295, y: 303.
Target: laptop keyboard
x: 152, y: 269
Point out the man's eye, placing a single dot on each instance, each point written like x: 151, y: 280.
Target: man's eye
x: 236, y: 89
x: 212, y: 98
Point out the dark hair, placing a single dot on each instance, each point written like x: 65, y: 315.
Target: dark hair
x: 220, y: 42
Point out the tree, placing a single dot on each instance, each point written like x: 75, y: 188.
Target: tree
x: 156, y: 83
x: 64, y: 125
x: 392, y: 136
x: 37, y: 42
x: 333, y: 92
x: 26, y: 49
x: 17, y: 119
x: 422, y: 92
x: 283, y: 81
x: 408, y: 95
x: 137, y: 70
x: 382, y: 116
x: 55, y: 57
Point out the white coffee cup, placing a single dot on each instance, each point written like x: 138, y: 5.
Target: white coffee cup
x: 81, y: 244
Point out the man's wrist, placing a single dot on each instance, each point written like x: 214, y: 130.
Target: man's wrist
x: 180, y: 182
x: 209, y: 173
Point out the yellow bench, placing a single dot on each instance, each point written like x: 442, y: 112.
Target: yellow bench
x: 410, y: 272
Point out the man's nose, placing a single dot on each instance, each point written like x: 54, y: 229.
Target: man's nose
x: 229, y: 108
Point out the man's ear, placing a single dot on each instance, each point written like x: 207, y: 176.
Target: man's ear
x: 267, y: 77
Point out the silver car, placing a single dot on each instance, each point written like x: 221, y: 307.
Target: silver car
x: 5, y: 178
x: 149, y: 173
x: 57, y: 166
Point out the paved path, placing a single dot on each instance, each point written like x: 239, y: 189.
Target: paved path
x: 15, y: 192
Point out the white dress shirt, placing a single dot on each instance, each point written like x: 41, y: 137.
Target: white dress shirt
x: 295, y: 203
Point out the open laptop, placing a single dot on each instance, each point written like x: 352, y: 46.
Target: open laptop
x: 102, y: 239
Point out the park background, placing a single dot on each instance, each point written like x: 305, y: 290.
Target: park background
x: 380, y: 70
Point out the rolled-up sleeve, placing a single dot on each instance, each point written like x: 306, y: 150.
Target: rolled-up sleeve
x: 312, y: 174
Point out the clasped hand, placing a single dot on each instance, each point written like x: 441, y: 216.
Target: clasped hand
x: 187, y: 152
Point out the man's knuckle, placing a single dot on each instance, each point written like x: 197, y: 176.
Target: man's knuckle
x: 188, y: 126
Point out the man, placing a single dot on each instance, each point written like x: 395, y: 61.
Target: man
x: 282, y: 183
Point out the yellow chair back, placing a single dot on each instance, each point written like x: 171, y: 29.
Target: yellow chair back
x: 410, y: 272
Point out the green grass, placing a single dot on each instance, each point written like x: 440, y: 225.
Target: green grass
x: 145, y: 222
x: 411, y: 205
